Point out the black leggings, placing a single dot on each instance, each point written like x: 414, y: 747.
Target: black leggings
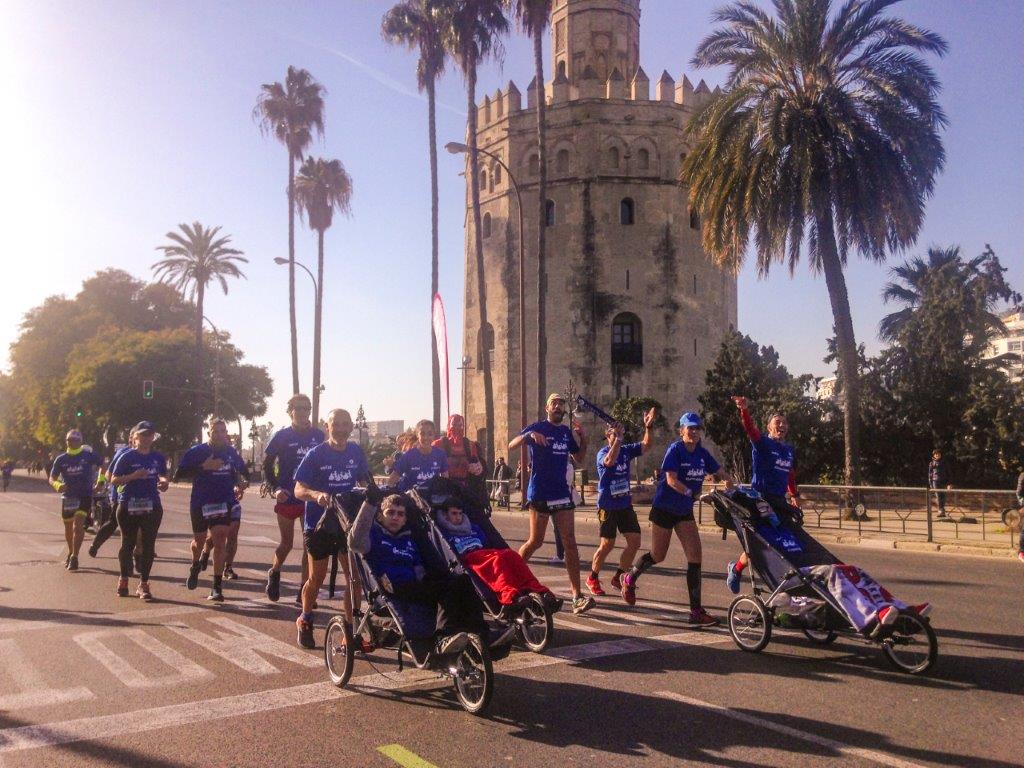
x: 130, y: 526
x: 458, y: 607
x: 104, y: 532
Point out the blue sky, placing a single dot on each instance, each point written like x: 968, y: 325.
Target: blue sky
x: 126, y: 118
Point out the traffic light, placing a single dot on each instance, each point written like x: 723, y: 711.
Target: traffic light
x: 147, y: 389
x: 78, y: 413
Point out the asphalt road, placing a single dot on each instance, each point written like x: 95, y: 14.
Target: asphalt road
x: 90, y: 679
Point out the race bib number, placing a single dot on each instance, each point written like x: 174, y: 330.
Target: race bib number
x: 215, y: 510
x: 619, y: 488
x: 70, y: 503
x: 139, y: 506
x: 556, y: 505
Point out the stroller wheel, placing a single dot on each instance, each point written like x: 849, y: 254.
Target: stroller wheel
x: 911, y: 646
x: 749, y: 625
x: 339, y: 650
x: 473, y: 676
x: 536, y: 627
x: 821, y: 636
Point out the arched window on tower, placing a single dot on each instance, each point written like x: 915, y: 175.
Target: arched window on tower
x: 613, y: 158
x: 483, y: 179
x: 643, y: 159
x: 562, y: 161
x: 533, y: 165
x: 496, y: 177
x: 549, y: 213
x: 627, y: 340
x: 486, y: 224
x: 485, y: 347
x: 627, y: 211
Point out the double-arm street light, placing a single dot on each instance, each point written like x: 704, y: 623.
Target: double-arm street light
x: 281, y: 261
x: 456, y: 148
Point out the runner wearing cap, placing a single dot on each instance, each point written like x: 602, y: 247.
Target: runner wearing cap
x: 548, y: 495
x: 219, y: 478
x: 142, y: 473
x: 72, y: 476
x: 683, y: 470
x: 615, y: 503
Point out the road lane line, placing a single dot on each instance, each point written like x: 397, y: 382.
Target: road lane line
x: 34, y: 690
x: 844, y: 749
x: 128, y: 617
x: 404, y: 757
x: 183, y: 670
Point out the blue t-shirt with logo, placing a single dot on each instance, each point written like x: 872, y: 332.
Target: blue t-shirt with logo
x: 467, y: 542
x: 613, y: 482
x: 773, y: 460
x: 690, y: 468
x: 330, y: 470
x: 393, y: 555
x: 289, y: 446
x: 418, y: 469
x: 77, y: 471
x: 215, y: 486
x: 550, y: 462
x: 131, y: 460
x: 113, y: 490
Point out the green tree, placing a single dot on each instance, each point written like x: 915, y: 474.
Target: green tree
x: 825, y: 140
x: 293, y: 111
x: 194, y: 258
x: 534, y: 18
x: 473, y: 32
x: 420, y: 26
x: 322, y: 187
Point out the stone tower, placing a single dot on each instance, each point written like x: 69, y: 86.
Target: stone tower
x: 634, y: 306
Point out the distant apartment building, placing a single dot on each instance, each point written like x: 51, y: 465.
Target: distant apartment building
x: 1010, y: 343
x: 379, y: 431
x: 826, y: 388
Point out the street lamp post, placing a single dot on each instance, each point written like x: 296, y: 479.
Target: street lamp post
x: 361, y: 423
x: 216, y: 368
x: 280, y: 261
x: 455, y: 148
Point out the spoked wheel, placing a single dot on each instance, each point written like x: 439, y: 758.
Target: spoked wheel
x: 474, y: 676
x: 749, y: 625
x: 536, y: 627
x: 339, y: 651
x: 911, y: 646
x: 821, y: 636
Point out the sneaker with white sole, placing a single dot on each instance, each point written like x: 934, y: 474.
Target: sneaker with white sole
x: 594, y: 585
x: 732, y: 578
x: 582, y: 603
x: 701, y: 618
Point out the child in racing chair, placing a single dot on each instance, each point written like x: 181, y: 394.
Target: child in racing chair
x: 384, y: 539
x: 503, y: 570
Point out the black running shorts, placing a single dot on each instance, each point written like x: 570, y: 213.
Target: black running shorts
x: 665, y: 519
x: 618, y: 520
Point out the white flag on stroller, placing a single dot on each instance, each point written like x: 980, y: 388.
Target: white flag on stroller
x: 861, y: 596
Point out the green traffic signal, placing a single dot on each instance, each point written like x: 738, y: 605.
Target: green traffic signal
x: 78, y: 413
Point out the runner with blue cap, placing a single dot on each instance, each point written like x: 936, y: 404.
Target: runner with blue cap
x: 683, y: 470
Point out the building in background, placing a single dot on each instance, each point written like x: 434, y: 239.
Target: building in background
x: 1010, y: 343
x: 379, y: 431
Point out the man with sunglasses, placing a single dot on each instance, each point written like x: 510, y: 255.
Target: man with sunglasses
x: 72, y: 477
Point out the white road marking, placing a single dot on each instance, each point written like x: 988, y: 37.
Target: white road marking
x: 34, y: 690
x: 844, y: 749
x: 242, y: 646
x: 183, y: 670
x: 133, y: 617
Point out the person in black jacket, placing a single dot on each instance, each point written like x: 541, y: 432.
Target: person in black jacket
x: 938, y: 477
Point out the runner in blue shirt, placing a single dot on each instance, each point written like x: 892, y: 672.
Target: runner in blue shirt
x: 615, y: 503
x: 683, y: 470
x: 142, y: 474
x: 72, y: 476
x: 334, y: 466
x: 282, y: 456
x: 416, y: 467
x: 219, y: 479
x: 106, y: 530
x: 548, y: 495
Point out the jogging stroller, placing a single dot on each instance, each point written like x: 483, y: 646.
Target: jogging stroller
x: 405, y: 628
x: 533, y: 623
x: 809, y: 589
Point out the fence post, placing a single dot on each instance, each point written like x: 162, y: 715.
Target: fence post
x: 928, y: 512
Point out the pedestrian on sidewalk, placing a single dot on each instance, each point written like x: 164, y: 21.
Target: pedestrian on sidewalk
x: 938, y: 478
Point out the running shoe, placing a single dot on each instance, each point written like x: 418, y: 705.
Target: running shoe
x: 305, y: 633
x: 556, y: 560
x: 616, y: 581
x: 143, y: 592
x: 229, y: 573
x: 204, y: 559
x: 73, y: 563
x: 216, y: 595
x: 193, y: 576
x: 732, y: 578
x: 273, y: 588
x: 702, y: 618
x: 629, y: 588
x: 582, y: 603
x: 122, y: 588
x: 67, y: 560
x: 594, y: 585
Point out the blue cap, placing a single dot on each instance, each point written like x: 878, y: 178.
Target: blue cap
x: 144, y: 426
x: 689, y: 419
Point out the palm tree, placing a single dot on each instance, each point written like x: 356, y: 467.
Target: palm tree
x: 534, y: 17
x: 292, y: 111
x: 195, y: 257
x: 322, y: 187
x: 419, y: 25
x: 471, y: 36
x: 826, y: 138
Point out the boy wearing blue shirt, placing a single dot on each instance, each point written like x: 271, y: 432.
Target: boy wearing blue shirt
x: 72, y: 477
x: 615, y: 503
x: 683, y: 470
x: 422, y: 463
x: 551, y: 443
x: 334, y: 466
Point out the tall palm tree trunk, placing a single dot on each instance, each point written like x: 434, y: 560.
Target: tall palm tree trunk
x: 542, y: 195
x: 435, y: 367
x: 317, y: 325
x: 474, y: 186
x: 200, y: 394
x: 291, y: 273
x: 846, y: 345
